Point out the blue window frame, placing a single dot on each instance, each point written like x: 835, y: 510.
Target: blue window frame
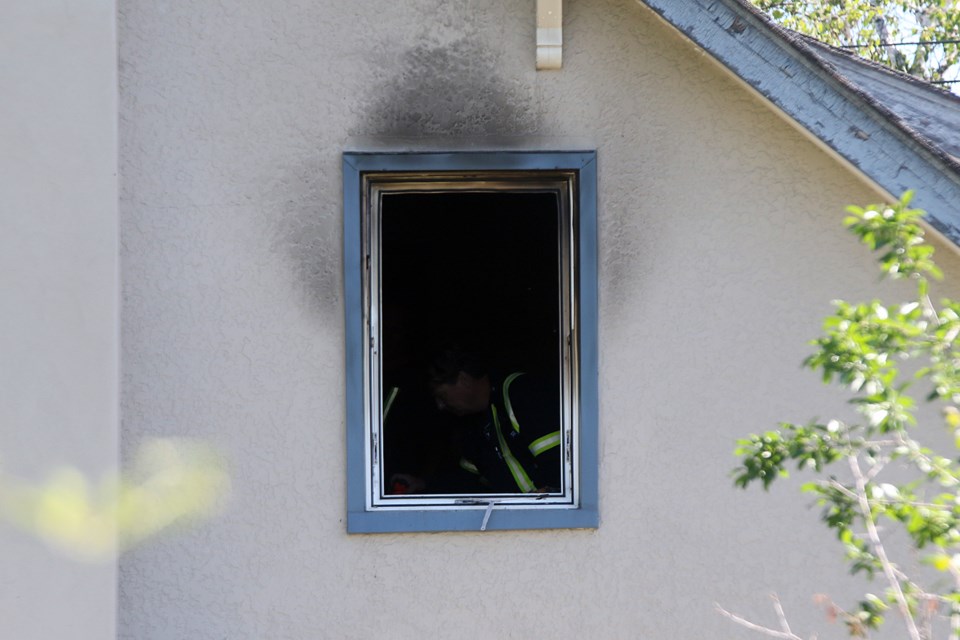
x: 414, y: 202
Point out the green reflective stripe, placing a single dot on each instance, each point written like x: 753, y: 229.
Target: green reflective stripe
x: 545, y: 443
x: 506, y: 399
x: 516, y: 469
x: 390, y: 398
x: 466, y: 465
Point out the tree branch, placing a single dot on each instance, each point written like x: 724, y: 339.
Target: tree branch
x: 888, y: 569
x: 773, y: 633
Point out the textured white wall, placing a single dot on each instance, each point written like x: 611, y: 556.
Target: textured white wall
x: 720, y: 249
x: 59, y: 293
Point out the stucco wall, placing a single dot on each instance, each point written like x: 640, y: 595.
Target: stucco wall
x: 720, y: 249
x: 59, y: 294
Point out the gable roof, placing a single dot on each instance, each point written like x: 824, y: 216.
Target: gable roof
x: 899, y: 132
x: 929, y: 111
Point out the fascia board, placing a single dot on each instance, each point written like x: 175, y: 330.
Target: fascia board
x: 820, y: 103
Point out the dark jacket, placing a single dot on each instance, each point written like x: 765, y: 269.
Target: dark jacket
x: 514, y: 446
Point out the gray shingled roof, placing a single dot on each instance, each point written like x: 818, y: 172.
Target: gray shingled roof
x: 899, y: 132
x: 926, y: 109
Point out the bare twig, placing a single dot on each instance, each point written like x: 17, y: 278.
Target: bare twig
x: 931, y: 311
x: 842, y: 488
x: 915, y: 452
x: 878, y: 548
x: 773, y: 633
x: 954, y: 609
x: 784, y: 625
x: 877, y: 467
x: 836, y: 484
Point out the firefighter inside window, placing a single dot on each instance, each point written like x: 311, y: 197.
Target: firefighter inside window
x: 494, y: 433
x: 462, y: 274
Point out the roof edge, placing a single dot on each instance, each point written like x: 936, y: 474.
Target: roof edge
x: 787, y: 72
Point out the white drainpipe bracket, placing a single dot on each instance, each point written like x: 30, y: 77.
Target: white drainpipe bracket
x: 549, y: 34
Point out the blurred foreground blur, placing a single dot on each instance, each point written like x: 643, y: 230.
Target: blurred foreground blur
x: 172, y: 481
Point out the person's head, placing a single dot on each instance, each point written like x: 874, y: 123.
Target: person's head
x: 459, y: 382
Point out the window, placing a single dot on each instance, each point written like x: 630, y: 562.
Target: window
x: 470, y: 283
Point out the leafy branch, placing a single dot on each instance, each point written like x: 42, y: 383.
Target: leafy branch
x: 862, y: 349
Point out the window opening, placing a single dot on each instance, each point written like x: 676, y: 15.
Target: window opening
x: 474, y: 275
x: 479, y: 263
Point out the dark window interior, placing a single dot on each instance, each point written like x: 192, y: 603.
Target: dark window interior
x: 476, y: 269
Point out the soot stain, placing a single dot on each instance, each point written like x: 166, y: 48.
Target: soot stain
x: 456, y: 89
x: 308, y: 239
